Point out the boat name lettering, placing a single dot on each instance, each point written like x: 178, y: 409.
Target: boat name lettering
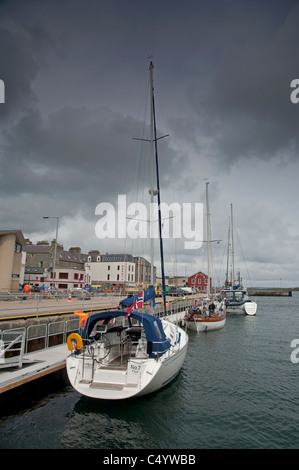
x: 135, y: 368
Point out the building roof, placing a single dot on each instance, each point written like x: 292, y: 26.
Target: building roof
x: 37, y: 248
x: 197, y: 274
x: 19, y: 235
x: 117, y: 258
x: 64, y: 255
x: 71, y: 257
x: 34, y: 270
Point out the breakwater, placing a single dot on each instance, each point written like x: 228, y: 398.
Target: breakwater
x: 270, y: 292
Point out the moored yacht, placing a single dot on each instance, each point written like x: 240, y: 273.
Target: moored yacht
x: 121, y: 356
x: 128, y: 353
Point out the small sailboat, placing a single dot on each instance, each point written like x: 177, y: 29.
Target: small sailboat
x: 127, y: 353
x: 207, y: 316
x: 208, y: 313
x: 234, y: 294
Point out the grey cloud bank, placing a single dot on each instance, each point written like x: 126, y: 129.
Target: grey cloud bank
x: 75, y: 75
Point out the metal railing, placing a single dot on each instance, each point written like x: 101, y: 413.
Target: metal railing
x: 12, y: 345
x: 38, y: 337
x: 38, y: 301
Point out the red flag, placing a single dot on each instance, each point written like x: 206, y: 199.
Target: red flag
x: 140, y: 300
x: 137, y: 304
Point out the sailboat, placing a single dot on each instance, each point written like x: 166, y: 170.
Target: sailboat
x: 208, y: 313
x: 233, y: 293
x: 127, y: 353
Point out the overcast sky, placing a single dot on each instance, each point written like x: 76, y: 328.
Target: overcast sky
x: 76, y: 77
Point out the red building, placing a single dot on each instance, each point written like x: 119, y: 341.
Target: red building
x: 199, y: 281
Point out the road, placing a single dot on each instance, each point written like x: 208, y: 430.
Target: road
x: 39, y: 305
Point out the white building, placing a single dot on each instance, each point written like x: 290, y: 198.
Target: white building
x: 109, y: 269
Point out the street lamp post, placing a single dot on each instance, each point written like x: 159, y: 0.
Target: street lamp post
x: 55, y: 247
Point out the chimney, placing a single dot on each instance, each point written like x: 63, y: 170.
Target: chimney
x: 76, y: 250
x: 93, y: 252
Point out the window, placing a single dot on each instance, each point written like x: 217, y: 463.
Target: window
x: 108, y: 277
x: 62, y: 286
x: 117, y: 277
x: 63, y: 275
x: 18, y: 248
x: 76, y: 276
x: 157, y: 329
x: 108, y: 268
x: 118, y: 267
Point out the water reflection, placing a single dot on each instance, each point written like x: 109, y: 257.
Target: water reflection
x: 136, y: 423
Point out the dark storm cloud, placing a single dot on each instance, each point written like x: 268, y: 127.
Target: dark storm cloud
x: 74, y: 73
x: 244, y: 104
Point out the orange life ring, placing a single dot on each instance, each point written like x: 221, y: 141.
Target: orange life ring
x: 74, y: 337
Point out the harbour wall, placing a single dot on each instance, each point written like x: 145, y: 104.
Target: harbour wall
x: 270, y: 292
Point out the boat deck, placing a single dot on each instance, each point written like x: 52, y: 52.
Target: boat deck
x: 119, y: 363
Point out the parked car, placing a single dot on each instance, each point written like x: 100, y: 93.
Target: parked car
x: 80, y: 293
x: 188, y: 290
x: 35, y: 289
x: 88, y: 288
x: 53, y: 290
x: 176, y: 291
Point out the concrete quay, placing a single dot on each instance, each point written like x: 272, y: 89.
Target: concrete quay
x: 270, y: 292
x: 38, y: 306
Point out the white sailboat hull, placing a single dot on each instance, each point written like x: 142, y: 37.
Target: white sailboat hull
x: 139, y: 376
x: 250, y: 308
x: 205, y: 325
x: 247, y: 308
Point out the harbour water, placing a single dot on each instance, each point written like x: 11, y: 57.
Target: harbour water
x: 238, y: 389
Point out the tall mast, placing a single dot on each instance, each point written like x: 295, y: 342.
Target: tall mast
x: 227, y: 258
x: 158, y: 185
x: 152, y: 192
x: 208, y: 237
x: 233, y: 260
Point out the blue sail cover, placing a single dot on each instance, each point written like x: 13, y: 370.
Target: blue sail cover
x: 152, y: 326
x: 149, y: 294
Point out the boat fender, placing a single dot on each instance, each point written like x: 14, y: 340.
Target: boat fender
x: 74, y: 338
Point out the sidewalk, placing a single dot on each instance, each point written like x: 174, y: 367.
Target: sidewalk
x: 34, y: 306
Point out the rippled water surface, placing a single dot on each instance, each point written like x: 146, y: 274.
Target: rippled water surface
x: 238, y: 389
